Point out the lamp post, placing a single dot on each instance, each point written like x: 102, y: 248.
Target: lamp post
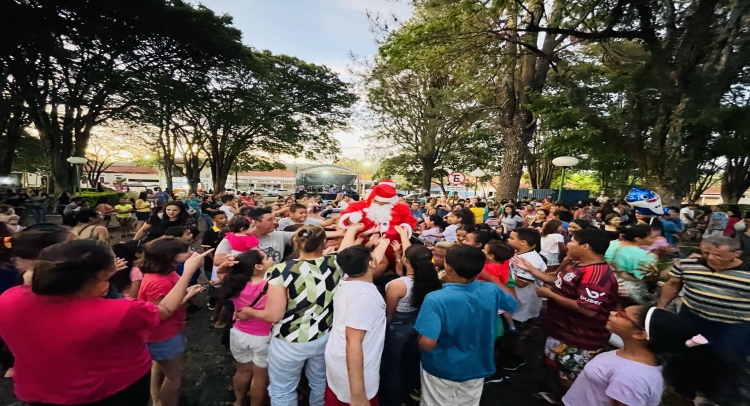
x: 477, y: 173
x: 77, y: 161
x: 564, y: 162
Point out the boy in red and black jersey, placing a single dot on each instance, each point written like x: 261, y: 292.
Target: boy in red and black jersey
x: 579, y: 300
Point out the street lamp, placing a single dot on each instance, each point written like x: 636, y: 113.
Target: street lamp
x: 477, y: 173
x: 77, y: 161
x: 564, y: 162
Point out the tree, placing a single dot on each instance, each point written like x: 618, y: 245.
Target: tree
x: 421, y: 112
x: 14, y: 118
x: 653, y: 77
x: 709, y: 174
x: 732, y: 146
x: 72, y: 60
x: 480, y: 42
x: 269, y: 103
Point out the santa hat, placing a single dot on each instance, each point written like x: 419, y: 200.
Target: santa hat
x: 387, y: 182
x: 383, y: 193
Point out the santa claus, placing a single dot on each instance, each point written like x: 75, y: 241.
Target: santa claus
x: 381, y: 209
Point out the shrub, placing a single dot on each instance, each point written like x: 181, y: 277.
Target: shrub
x: 91, y: 197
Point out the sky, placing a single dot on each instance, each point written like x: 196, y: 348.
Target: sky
x: 325, y: 32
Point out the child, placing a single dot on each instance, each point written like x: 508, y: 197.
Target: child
x: 497, y: 270
x: 184, y: 234
x: 123, y: 210
x: 229, y: 206
x: 211, y: 239
x: 477, y: 239
x: 355, y: 345
x: 240, y: 236
x: 249, y: 339
x: 166, y: 342
x: 450, y: 374
x: 526, y: 243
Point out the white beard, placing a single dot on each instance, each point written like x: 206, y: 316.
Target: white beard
x: 380, y: 214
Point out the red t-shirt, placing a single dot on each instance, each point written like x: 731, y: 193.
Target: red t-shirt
x: 593, y: 287
x: 499, y: 271
x: 74, y: 350
x: 153, y: 288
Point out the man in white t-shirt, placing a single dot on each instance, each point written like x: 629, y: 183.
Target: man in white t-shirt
x: 687, y: 214
x: 355, y: 344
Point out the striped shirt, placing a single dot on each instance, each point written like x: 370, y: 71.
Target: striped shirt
x: 718, y: 296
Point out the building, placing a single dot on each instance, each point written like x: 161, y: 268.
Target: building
x: 712, y: 196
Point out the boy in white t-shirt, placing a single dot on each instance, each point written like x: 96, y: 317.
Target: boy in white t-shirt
x: 526, y: 241
x: 355, y: 344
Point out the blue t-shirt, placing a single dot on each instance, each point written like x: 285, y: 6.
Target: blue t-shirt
x: 462, y: 317
x: 160, y: 197
x: 671, y: 227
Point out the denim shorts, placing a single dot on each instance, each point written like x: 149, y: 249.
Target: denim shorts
x: 168, y: 348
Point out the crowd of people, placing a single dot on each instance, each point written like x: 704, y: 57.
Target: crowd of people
x: 394, y: 314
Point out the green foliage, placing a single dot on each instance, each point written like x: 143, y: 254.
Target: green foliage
x: 91, y: 197
x: 29, y: 156
x: 74, y: 63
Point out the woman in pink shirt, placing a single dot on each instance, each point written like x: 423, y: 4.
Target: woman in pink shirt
x: 74, y: 347
x: 165, y: 342
x: 246, y: 286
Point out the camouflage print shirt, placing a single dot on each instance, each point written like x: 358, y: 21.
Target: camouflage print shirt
x: 310, y: 285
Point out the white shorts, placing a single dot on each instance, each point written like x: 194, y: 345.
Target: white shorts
x: 249, y: 348
x: 440, y: 392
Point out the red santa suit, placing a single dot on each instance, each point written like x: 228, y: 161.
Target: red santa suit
x: 386, y: 217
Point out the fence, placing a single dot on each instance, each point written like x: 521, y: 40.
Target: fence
x: 568, y: 196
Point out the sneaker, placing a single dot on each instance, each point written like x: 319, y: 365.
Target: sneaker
x: 416, y: 395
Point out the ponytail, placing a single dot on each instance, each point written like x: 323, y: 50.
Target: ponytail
x: 309, y: 239
x: 425, y: 277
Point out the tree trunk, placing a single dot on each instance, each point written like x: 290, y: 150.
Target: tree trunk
x: 735, y: 180
x: 167, y: 166
x: 192, y: 171
x: 669, y: 197
x: 8, y: 143
x: 221, y: 167
x: 512, y: 166
x: 428, y: 170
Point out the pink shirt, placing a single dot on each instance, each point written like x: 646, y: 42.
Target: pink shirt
x: 135, y: 274
x: 242, y: 243
x: 254, y: 327
x: 154, y: 287
x: 73, y: 350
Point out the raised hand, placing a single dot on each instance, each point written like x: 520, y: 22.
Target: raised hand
x: 195, y: 261
x: 194, y: 290
x: 401, y: 231
x: 120, y: 264
x: 521, y: 262
x: 396, y: 246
